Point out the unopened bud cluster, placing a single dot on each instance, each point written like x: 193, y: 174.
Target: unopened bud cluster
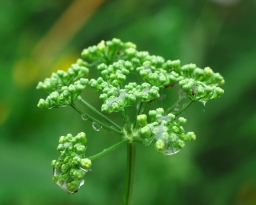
x: 70, y: 168
x: 108, y: 52
x: 165, y: 132
x: 115, y: 60
x: 63, y: 87
x: 116, y: 99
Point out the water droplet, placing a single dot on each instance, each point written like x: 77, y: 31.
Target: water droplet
x: 169, y: 151
x: 84, y: 117
x: 64, y: 184
x: 96, y: 126
x: 204, y: 103
x: 85, y: 170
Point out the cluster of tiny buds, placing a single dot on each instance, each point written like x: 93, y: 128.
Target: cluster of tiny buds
x: 65, y: 96
x: 107, y: 52
x: 70, y: 168
x: 116, y: 100
x: 115, y: 60
x: 165, y: 132
x: 62, y: 78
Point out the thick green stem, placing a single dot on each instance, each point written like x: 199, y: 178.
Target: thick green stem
x: 91, y: 108
x: 131, y: 153
x: 107, y: 150
x: 107, y: 127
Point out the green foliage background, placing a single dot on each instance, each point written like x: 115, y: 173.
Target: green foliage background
x: 36, y: 39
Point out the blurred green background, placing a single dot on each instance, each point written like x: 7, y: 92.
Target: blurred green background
x: 39, y: 37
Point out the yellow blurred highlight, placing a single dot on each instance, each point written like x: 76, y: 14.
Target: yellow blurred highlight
x: 25, y: 72
x: 4, y: 112
x: 247, y: 194
x: 64, y: 62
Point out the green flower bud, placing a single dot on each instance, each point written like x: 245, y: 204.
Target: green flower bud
x: 85, y: 53
x: 175, y: 63
x: 80, y: 174
x: 73, y: 185
x: 101, y: 46
x: 53, y: 163
x: 63, y: 178
x: 146, y: 131
x: 191, y: 136
x: 80, y: 138
x: 57, y: 164
x: 80, y: 149
x: 85, y: 163
x: 66, y: 159
x: 68, y: 138
x: 159, y: 145
x: 179, y: 144
x: 64, y: 168
x: 116, y: 41
x: 130, y: 52
x: 76, y: 160
x: 43, y: 104
x: 55, y: 179
x: 62, y: 139
x: 142, y: 119
x: 152, y: 115
x: 208, y: 71
x: 61, y: 147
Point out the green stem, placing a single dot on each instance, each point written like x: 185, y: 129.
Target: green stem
x: 107, y: 150
x: 107, y: 127
x: 170, y: 109
x: 131, y: 152
x: 127, y: 123
x: 86, y: 104
x: 183, y: 108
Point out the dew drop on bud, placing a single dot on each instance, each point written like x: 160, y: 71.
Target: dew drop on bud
x: 96, y: 126
x: 64, y: 184
x: 84, y: 117
x: 170, y: 151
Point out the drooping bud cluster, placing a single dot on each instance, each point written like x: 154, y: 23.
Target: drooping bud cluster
x: 63, y: 87
x: 70, y: 168
x: 165, y: 132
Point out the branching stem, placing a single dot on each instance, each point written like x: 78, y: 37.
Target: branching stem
x: 107, y: 127
x: 107, y: 150
x: 94, y: 110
